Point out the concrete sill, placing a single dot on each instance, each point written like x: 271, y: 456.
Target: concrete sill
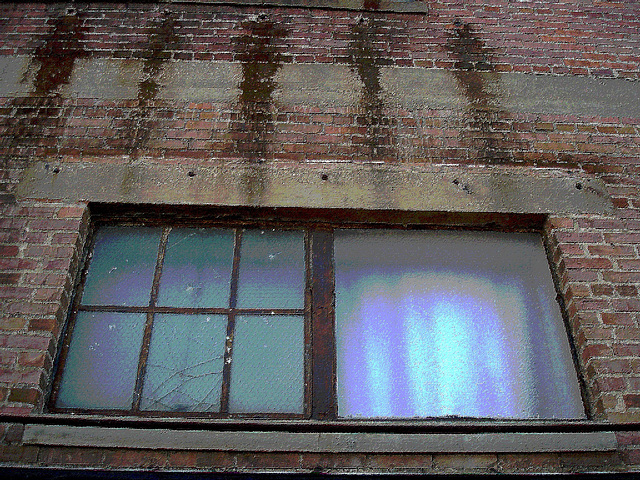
x: 318, y: 442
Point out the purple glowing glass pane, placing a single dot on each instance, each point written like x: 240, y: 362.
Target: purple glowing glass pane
x: 122, y: 266
x: 272, y: 272
x: 184, y: 367
x: 267, y: 369
x: 102, y: 362
x: 197, y: 268
x: 448, y: 323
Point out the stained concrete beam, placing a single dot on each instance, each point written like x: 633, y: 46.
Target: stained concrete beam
x: 103, y: 437
x: 415, y: 88
x: 105, y: 79
x: 338, y: 85
x: 317, y: 84
x: 368, y: 187
x: 200, y: 81
x: 15, y: 80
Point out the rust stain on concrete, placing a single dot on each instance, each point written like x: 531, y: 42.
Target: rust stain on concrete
x: 38, y: 118
x: 378, y: 142
x: 261, y: 51
x: 472, y: 71
x: 161, y: 41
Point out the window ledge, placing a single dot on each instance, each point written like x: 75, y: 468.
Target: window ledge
x: 318, y: 442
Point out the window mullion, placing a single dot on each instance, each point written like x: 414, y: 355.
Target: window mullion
x: 146, y: 339
x: 324, y: 404
x: 233, y: 300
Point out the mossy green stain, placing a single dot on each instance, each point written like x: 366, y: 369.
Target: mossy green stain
x: 162, y: 39
x: 260, y: 52
x: 473, y: 64
x: 367, y: 61
x: 57, y: 54
x: 53, y: 61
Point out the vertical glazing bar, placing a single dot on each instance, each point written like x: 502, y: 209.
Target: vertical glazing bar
x: 324, y: 404
x: 146, y: 339
x: 228, y: 348
x: 308, y: 332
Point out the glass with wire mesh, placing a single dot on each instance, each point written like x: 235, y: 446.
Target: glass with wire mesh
x: 189, y: 320
x: 303, y: 321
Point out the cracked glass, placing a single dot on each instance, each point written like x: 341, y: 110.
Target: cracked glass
x: 197, y: 268
x: 294, y: 321
x: 184, y: 368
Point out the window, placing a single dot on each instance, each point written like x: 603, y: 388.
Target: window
x: 316, y: 321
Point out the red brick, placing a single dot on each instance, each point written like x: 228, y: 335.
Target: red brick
x: 255, y: 461
x: 24, y: 395
x: 582, y: 263
x: 8, y: 250
x: 33, y: 342
x: 128, y: 458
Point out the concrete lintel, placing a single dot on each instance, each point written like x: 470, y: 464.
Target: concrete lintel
x: 325, y: 186
x: 72, y: 436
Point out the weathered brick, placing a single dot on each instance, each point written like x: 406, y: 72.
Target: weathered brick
x: 465, y: 463
x: 24, y: 395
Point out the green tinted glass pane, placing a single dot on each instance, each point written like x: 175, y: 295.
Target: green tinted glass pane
x: 184, y: 368
x: 267, y: 370
x: 197, y: 268
x: 102, y: 362
x: 122, y: 266
x: 271, y: 269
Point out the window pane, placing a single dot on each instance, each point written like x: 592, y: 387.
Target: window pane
x: 267, y: 370
x: 102, y: 363
x: 271, y: 269
x: 197, y: 268
x: 453, y: 323
x: 184, y: 368
x: 122, y: 266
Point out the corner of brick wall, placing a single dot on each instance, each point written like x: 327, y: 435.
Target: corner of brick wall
x: 40, y: 249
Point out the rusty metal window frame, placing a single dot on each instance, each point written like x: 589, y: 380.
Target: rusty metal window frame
x: 321, y: 382
x: 320, y: 389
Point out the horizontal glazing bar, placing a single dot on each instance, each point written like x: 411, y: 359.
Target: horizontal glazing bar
x: 237, y: 311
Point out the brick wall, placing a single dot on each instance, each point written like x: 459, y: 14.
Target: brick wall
x: 50, y: 112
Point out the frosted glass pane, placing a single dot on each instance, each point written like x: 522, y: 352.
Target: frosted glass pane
x: 449, y: 323
x: 267, y: 370
x: 102, y: 363
x: 122, y: 266
x: 197, y: 268
x: 184, y: 368
x: 271, y: 269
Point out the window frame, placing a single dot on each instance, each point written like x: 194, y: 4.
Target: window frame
x: 318, y: 225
